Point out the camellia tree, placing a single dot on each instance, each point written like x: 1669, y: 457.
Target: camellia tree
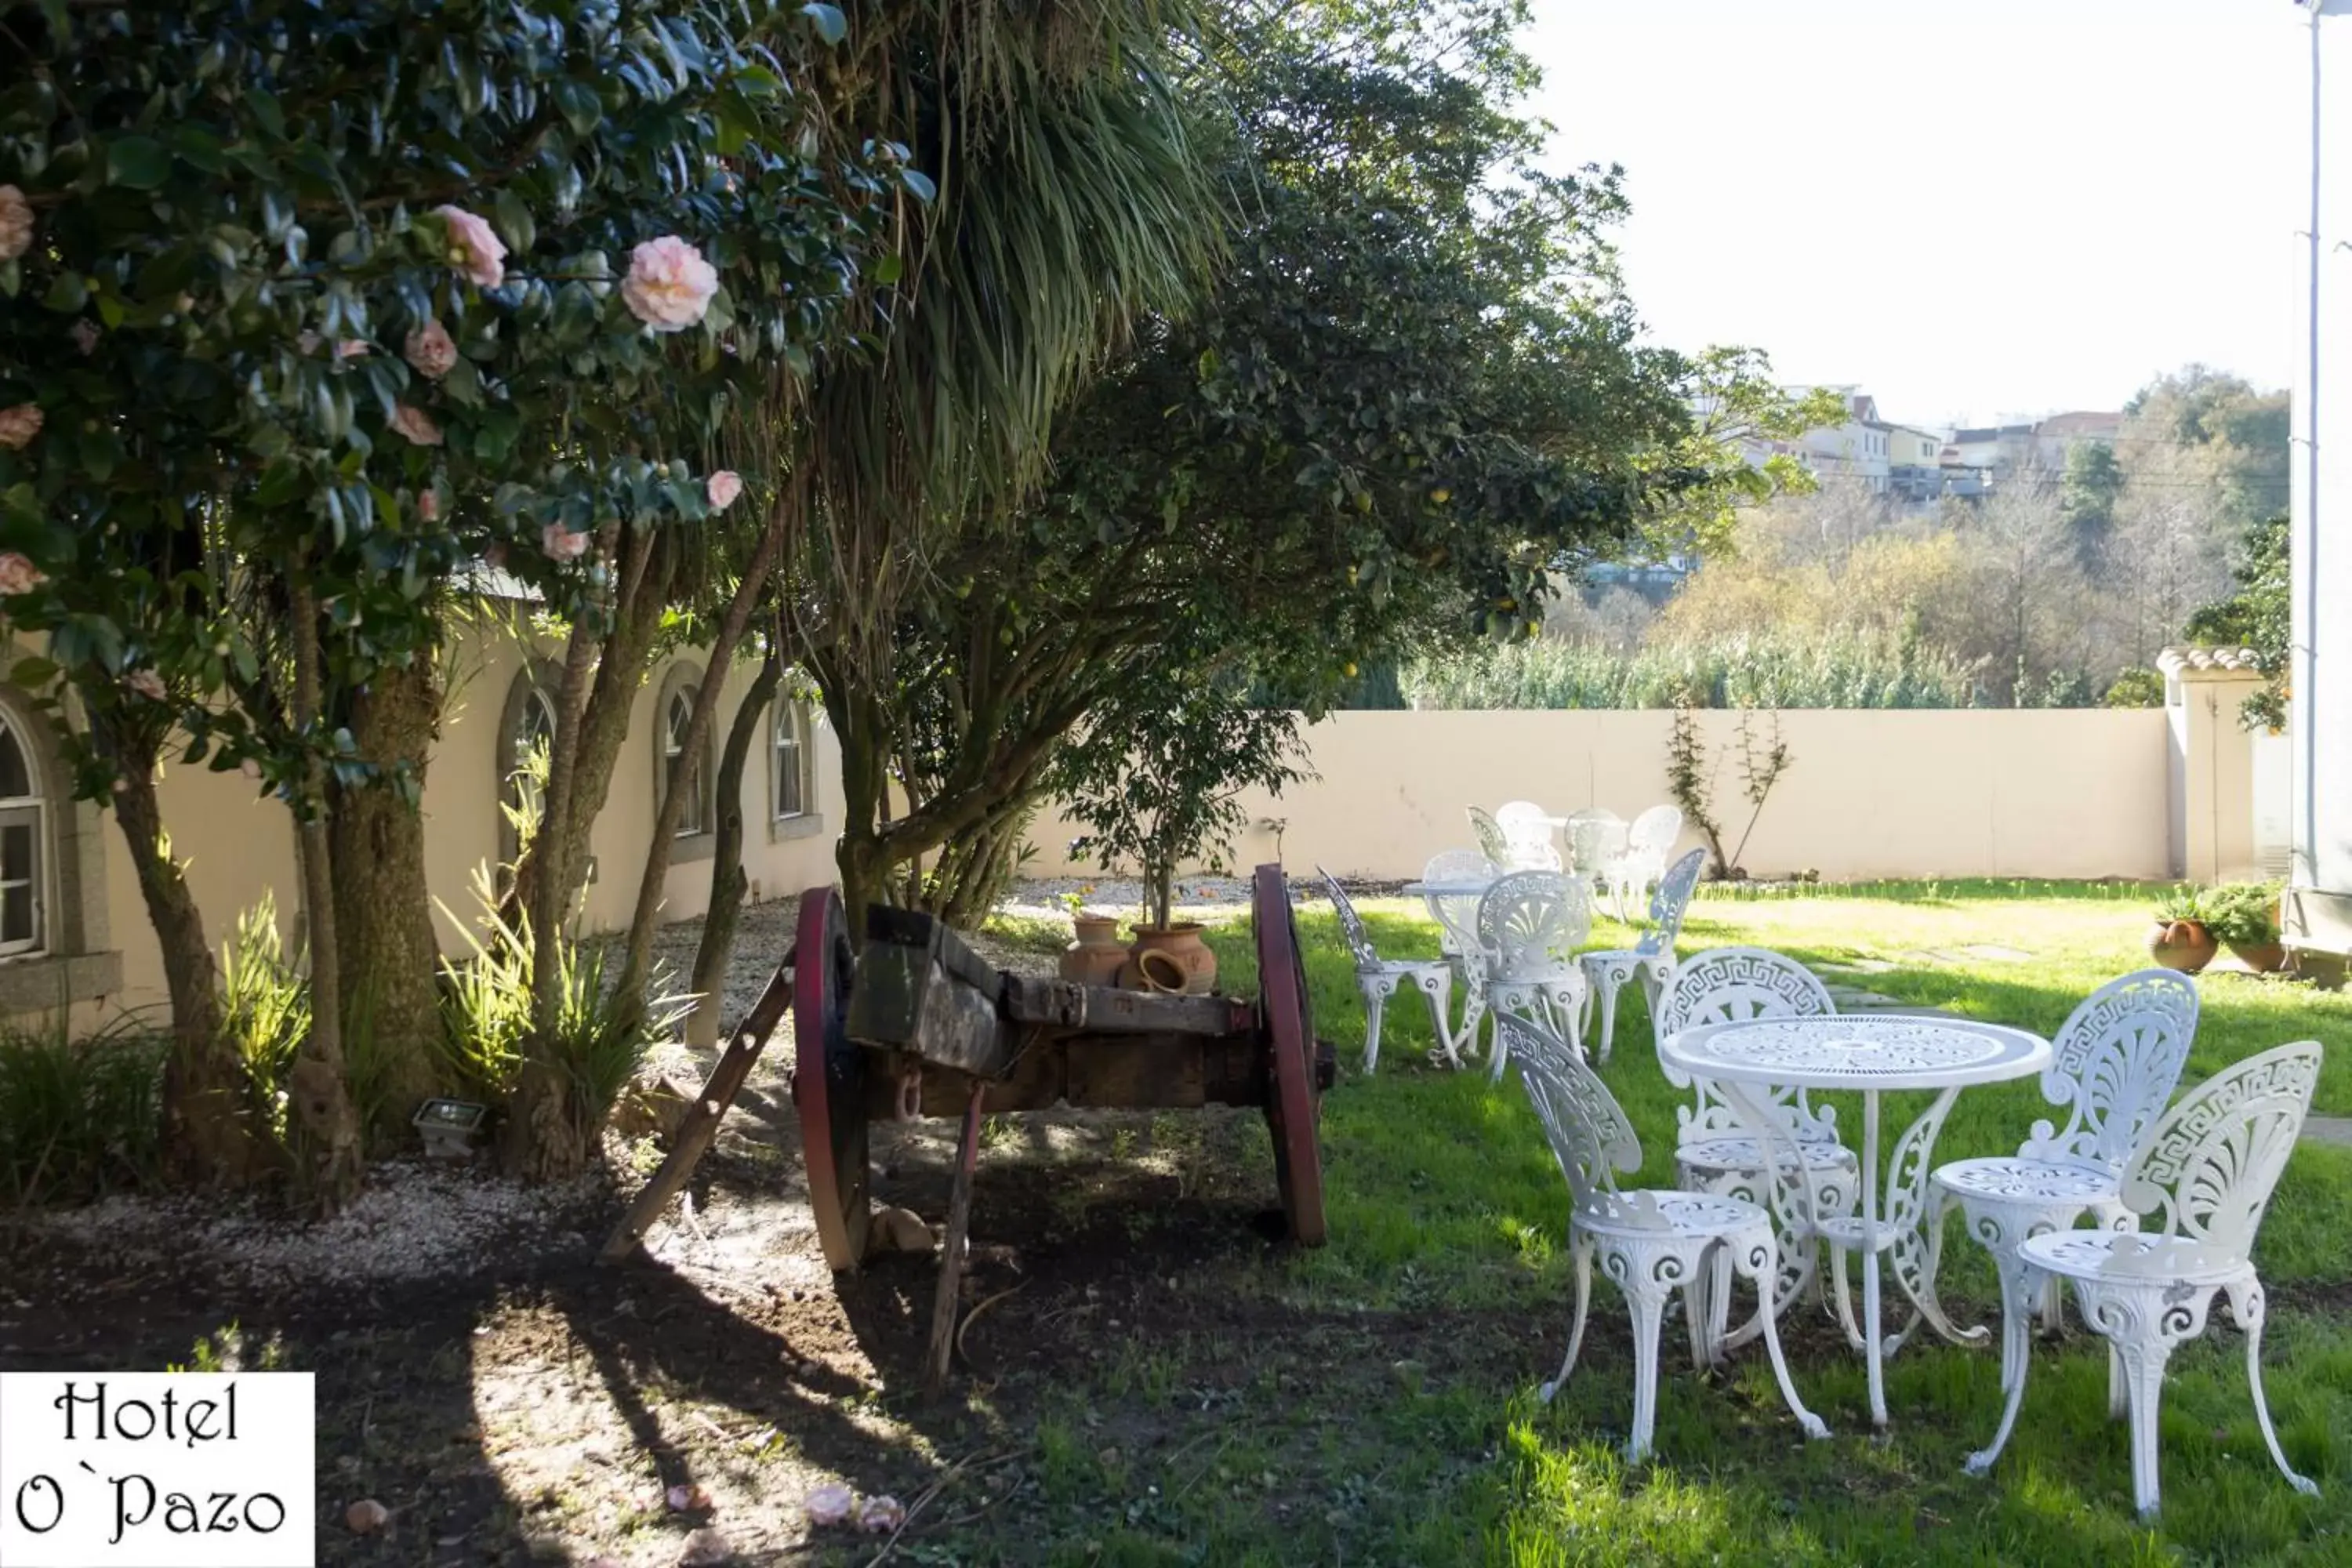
x: 307, y: 309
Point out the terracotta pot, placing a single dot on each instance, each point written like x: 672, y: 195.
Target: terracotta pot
x: 2262, y: 957
x: 1098, y: 956
x: 2184, y: 946
x: 1174, y: 960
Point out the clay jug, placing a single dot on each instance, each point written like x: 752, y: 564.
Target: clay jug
x: 1096, y: 957
x: 1175, y: 960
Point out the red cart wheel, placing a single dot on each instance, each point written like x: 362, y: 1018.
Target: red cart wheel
x: 829, y: 1080
x: 1287, y: 1022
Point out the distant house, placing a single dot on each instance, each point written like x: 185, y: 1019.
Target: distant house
x: 1860, y: 448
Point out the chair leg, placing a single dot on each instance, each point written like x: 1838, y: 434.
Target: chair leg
x: 2144, y: 1363
x: 2246, y: 1306
x: 1845, y: 1300
x: 2018, y: 1292
x: 1376, y: 999
x: 1605, y: 996
x: 1767, y: 1274
x: 2119, y: 1396
x: 1437, y: 990
x: 1584, y: 1251
x: 2017, y: 1303
x: 1648, y: 1303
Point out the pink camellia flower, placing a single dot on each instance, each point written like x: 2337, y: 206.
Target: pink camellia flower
x: 724, y: 487
x: 484, y: 253
x: 496, y: 555
x: 250, y: 769
x: 147, y: 683
x: 20, y: 424
x: 15, y: 223
x: 560, y: 543
x: 428, y: 505
x: 880, y: 1515
x: 669, y: 285
x: 829, y: 1504
x: 85, y: 336
x: 416, y: 423
x: 431, y: 349
x: 18, y: 575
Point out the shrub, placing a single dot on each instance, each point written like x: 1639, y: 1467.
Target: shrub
x: 2136, y: 687
x: 265, y: 1005
x: 1836, y: 669
x: 79, y: 1119
x: 2243, y: 914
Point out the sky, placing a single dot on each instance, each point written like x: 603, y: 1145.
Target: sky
x: 1973, y: 209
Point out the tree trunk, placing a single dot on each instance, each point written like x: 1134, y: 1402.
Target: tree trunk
x: 637, y: 957
x: 215, y: 1133
x: 727, y: 882
x: 601, y: 677
x: 383, y: 923
x: 323, y: 1128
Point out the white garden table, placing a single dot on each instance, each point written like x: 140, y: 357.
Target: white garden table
x: 1870, y: 1056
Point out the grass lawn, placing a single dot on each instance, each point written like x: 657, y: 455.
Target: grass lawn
x: 1398, y: 1424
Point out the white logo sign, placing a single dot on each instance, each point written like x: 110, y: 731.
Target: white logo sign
x: 158, y: 1469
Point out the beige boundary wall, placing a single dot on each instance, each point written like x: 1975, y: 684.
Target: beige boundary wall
x: 238, y: 848
x: 1977, y: 793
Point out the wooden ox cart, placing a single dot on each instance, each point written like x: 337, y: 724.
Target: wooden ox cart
x: 918, y: 1024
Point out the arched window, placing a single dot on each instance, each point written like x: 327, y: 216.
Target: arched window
x: 526, y: 730
x: 788, y: 770
x: 672, y: 718
x: 23, y: 838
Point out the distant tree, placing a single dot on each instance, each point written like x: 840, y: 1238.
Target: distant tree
x: 2256, y: 617
x: 2086, y: 499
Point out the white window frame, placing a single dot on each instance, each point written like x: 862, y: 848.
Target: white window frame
x: 35, y: 808
x: 678, y: 710
x: 788, y: 734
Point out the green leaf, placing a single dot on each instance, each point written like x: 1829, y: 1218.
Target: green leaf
x: 33, y: 673
x: 140, y: 163
x: 67, y: 292
x: 578, y: 103
x: 830, y: 24
x: 919, y: 184
x: 514, y: 219
x: 890, y: 268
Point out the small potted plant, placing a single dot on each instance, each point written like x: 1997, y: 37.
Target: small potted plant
x: 2243, y: 917
x: 2181, y: 939
x: 1098, y: 955
x: 1158, y: 783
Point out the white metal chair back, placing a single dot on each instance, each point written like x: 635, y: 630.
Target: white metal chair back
x: 1654, y: 833
x: 1590, y: 1133
x: 1527, y: 836
x: 1457, y: 915
x: 1530, y: 922
x: 1596, y: 841
x: 1670, y: 903
x: 1352, y: 924
x: 1492, y: 843
x: 2113, y: 1067
x: 2207, y: 1167
x: 1733, y: 984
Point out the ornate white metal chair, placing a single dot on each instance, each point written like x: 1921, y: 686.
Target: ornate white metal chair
x: 1714, y: 1152
x: 1529, y: 925
x: 1457, y: 933
x: 1652, y: 957
x: 1492, y: 844
x: 1649, y: 1242
x: 2205, y: 1173
x: 1596, y: 841
x: 1377, y: 978
x: 2113, y: 1065
x: 1526, y: 837
x: 1648, y: 842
